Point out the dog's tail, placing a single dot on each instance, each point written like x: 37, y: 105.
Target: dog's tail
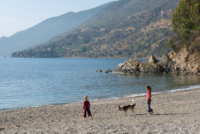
x: 133, y: 102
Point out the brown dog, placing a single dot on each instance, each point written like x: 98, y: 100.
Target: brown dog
x: 125, y: 108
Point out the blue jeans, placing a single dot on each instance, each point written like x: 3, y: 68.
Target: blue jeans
x: 149, y: 106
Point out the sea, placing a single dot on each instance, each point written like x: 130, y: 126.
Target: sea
x: 32, y: 82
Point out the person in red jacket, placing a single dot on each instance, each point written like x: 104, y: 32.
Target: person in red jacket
x: 86, y: 108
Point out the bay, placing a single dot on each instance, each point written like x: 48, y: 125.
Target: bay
x: 36, y: 82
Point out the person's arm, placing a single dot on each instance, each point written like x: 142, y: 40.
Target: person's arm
x: 148, y: 97
x: 83, y: 104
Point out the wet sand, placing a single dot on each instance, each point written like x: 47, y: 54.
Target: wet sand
x: 177, y: 112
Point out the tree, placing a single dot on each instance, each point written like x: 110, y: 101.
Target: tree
x: 186, y: 17
x: 186, y: 24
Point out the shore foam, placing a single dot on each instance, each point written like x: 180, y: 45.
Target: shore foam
x: 173, y: 90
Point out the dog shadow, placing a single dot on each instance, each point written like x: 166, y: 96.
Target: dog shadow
x: 1, y: 129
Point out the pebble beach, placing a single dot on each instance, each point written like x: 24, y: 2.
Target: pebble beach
x: 174, y: 112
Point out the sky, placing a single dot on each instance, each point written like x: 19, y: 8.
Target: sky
x: 18, y: 15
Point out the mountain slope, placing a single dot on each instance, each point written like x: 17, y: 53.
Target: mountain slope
x: 45, y: 30
x: 126, y: 28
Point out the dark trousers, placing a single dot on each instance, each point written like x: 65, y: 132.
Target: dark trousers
x: 88, y: 111
x: 149, y: 106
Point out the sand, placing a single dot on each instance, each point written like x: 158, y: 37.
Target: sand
x: 177, y: 112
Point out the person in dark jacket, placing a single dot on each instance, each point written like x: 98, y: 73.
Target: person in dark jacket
x: 86, y: 108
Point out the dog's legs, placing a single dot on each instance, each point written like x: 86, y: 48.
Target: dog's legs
x: 125, y: 113
x: 133, y: 112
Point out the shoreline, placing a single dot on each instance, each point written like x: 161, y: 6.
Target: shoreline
x: 113, y: 98
x: 173, y: 111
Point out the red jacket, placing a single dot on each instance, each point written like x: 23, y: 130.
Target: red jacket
x: 86, y: 105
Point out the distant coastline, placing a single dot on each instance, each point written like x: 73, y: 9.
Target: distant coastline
x: 75, y: 58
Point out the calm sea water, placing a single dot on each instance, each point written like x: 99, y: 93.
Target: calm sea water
x: 36, y: 82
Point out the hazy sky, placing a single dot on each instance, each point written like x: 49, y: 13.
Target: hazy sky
x: 18, y: 15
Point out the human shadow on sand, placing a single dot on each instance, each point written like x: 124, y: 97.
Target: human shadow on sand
x: 161, y: 114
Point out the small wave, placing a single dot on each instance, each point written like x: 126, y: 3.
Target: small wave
x: 170, y: 91
x: 112, y: 98
x: 185, y: 89
x: 136, y: 95
x: 144, y: 94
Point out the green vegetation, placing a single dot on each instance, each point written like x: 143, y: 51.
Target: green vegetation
x: 124, y: 29
x: 186, y: 24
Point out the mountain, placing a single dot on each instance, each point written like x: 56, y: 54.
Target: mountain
x: 123, y: 29
x: 45, y: 30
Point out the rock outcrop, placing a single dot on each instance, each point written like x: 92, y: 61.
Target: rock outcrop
x: 181, y: 63
x: 185, y: 62
x: 153, y: 59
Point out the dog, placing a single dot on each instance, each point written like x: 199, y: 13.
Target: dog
x: 125, y: 108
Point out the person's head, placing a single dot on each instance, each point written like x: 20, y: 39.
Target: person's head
x: 148, y: 88
x: 86, y: 98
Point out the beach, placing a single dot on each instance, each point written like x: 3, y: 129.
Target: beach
x: 174, y: 112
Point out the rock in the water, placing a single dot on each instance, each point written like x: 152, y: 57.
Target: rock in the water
x: 167, y: 63
x: 129, y: 67
x: 177, y: 63
x: 95, y: 71
x: 165, y: 59
x: 196, y: 69
x: 119, y: 67
x: 153, y: 70
x: 135, y: 66
x: 109, y: 70
x: 100, y: 71
x: 153, y: 59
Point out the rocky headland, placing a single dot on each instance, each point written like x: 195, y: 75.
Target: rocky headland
x: 176, y: 63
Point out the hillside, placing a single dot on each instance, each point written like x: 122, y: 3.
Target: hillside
x: 185, y: 56
x: 45, y: 30
x: 124, y: 29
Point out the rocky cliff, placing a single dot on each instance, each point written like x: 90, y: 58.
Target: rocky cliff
x: 185, y: 62
x: 176, y: 63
